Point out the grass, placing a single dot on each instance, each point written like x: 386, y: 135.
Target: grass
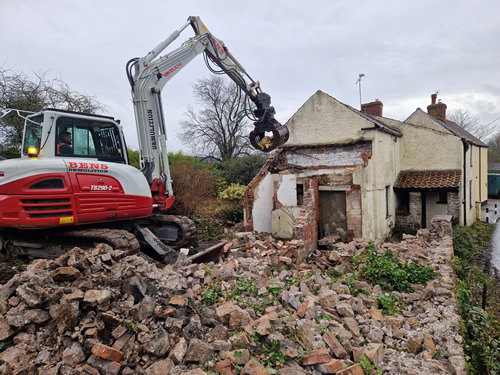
x: 478, y: 304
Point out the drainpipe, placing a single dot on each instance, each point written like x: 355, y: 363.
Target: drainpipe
x: 465, y: 144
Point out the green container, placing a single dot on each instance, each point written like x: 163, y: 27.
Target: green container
x: 493, y: 185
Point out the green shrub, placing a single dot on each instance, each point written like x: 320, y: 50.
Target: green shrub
x: 231, y: 203
x: 480, y: 328
x: 391, y: 273
x: 241, y: 170
x: 390, y: 303
x: 207, y: 229
x: 211, y: 294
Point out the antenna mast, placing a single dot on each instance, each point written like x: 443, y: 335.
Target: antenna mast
x: 361, y: 75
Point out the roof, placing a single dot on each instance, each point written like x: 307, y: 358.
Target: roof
x: 378, y: 124
x: 426, y: 180
x: 454, y: 129
x: 462, y: 133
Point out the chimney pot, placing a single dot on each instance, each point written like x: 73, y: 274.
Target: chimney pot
x: 437, y: 110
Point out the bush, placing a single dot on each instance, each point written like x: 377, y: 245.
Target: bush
x: 391, y: 273
x: 480, y: 327
x: 208, y: 229
x: 241, y: 170
x: 231, y: 203
x: 194, y: 188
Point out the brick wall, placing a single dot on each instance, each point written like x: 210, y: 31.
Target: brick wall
x: 354, y: 213
x: 306, y: 226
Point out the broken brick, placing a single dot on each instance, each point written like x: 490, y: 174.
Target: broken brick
x: 317, y: 356
x: 352, y: 370
x: 330, y: 367
x: 107, y: 352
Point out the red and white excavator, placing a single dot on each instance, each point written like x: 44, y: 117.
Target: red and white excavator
x: 73, y: 184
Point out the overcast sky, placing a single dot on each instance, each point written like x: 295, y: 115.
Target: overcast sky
x: 406, y: 49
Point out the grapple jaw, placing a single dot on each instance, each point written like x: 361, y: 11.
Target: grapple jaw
x: 267, y: 123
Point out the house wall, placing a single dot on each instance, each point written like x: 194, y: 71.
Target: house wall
x: 469, y: 184
x: 422, y: 137
x: 380, y: 172
x: 481, y: 178
x: 324, y: 120
x: 263, y: 204
x: 433, y: 208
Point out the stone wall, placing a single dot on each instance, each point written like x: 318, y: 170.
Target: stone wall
x: 413, y: 219
x: 454, y: 206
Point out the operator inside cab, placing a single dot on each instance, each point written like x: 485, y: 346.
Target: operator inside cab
x: 64, y: 144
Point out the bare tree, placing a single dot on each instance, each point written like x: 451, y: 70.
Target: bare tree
x: 217, y: 129
x: 494, y: 148
x: 19, y: 91
x: 470, y: 122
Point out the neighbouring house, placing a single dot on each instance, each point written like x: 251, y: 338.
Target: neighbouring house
x: 345, y: 174
x: 470, y: 157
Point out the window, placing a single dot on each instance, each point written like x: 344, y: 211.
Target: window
x: 90, y: 138
x: 471, y: 198
x: 443, y: 197
x: 32, y: 133
x: 387, y: 202
x: 300, y: 194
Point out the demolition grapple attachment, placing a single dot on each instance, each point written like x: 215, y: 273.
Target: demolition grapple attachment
x: 267, y: 123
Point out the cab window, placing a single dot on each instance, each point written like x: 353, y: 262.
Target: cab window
x: 32, y: 133
x: 88, y: 138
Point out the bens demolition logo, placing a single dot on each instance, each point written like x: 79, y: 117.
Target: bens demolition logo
x: 88, y: 167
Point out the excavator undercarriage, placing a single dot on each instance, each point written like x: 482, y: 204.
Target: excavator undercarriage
x: 156, y: 236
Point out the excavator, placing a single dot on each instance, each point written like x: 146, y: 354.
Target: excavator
x: 73, y: 185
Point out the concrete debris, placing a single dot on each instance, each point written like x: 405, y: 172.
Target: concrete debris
x: 264, y: 305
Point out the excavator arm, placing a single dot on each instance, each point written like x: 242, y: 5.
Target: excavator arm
x: 149, y: 74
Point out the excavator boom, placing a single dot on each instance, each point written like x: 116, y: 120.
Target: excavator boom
x: 149, y: 74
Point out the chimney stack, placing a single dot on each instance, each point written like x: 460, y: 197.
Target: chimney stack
x: 437, y: 110
x: 373, y: 108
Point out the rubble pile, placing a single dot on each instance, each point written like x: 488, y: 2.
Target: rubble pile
x: 254, y: 312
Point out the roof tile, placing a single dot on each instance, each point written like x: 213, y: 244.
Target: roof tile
x: 428, y: 179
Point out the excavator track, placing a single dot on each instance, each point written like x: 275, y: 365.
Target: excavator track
x: 51, y: 244
x: 174, y: 231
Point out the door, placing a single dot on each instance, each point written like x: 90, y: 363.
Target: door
x: 333, y: 214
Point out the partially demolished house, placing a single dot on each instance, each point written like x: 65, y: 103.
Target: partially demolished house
x: 346, y: 174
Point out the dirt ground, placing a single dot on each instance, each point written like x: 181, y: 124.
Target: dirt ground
x: 9, y: 266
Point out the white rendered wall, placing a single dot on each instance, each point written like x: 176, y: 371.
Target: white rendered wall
x: 263, y: 205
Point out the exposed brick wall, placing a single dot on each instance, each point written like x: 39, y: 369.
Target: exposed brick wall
x: 306, y: 226
x: 354, y: 213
